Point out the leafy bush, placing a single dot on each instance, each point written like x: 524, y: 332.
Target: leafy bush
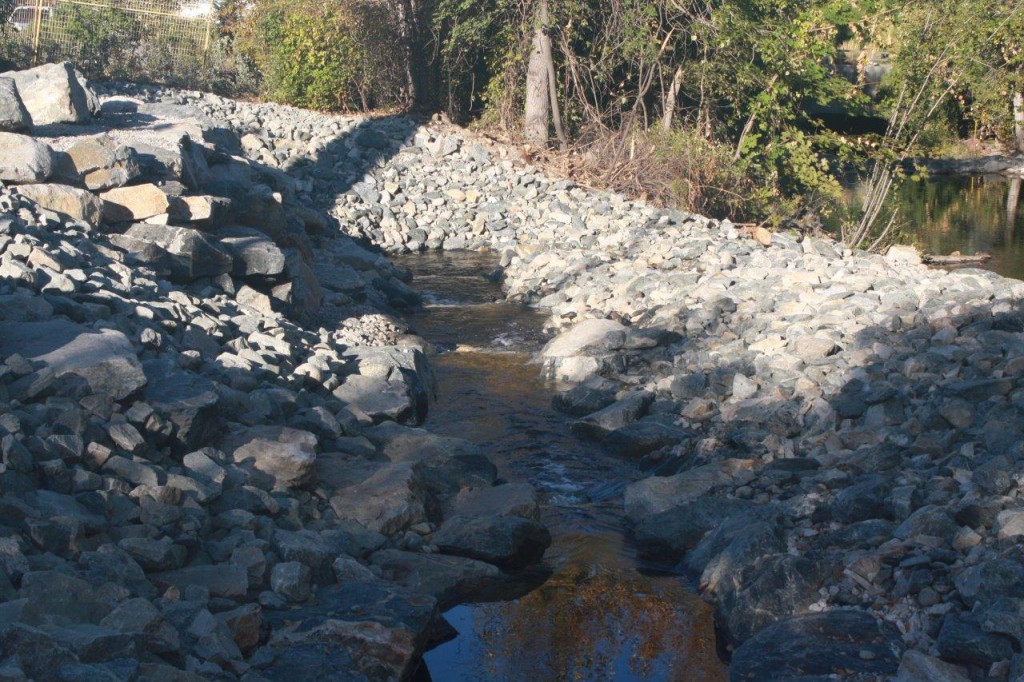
x: 330, y: 56
x: 100, y: 40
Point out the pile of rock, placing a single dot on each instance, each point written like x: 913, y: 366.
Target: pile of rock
x: 207, y: 410
x: 831, y: 430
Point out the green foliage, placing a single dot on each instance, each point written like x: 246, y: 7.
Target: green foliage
x: 104, y: 40
x: 328, y: 56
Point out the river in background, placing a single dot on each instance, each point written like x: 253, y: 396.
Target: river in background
x: 969, y: 214
x: 601, y: 614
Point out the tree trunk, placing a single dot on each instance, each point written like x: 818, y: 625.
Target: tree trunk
x: 556, y: 113
x: 1012, y: 203
x: 668, y: 107
x: 1018, y: 120
x: 538, y: 98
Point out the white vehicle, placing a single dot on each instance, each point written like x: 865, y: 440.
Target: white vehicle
x: 23, y: 17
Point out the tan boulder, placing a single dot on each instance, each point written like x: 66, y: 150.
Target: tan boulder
x: 126, y: 204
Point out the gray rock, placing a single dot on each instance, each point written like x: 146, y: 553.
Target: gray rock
x: 510, y: 499
x: 286, y: 456
x: 55, y: 93
x: 14, y: 117
x: 449, y: 579
x: 509, y: 541
x: 222, y: 580
x: 185, y: 253
x: 616, y: 416
x: 917, y: 666
x: 841, y: 642
x: 253, y: 252
x: 73, y: 202
x: 188, y: 400
x: 24, y: 160
x: 388, y: 502
x: 962, y: 640
x: 290, y: 579
x: 155, y: 555
x: 98, y: 163
x: 103, y: 358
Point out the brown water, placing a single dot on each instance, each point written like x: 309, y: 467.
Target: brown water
x: 977, y: 214
x: 600, y: 615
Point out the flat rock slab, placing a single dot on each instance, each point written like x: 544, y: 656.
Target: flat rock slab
x: 105, y: 359
x: 76, y: 203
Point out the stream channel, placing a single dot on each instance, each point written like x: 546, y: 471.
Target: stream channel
x: 600, y: 614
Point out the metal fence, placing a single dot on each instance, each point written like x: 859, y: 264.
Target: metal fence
x: 116, y: 38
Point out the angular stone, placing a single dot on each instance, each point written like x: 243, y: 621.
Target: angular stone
x: 104, y: 358
x: 511, y: 499
x: 449, y: 579
x: 290, y: 579
x: 55, y: 93
x: 188, y: 400
x: 659, y: 493
x: 78, y: 204
x: 286, y: 456
x: 222, y: 580
x: 841, y: 642
x: 155, y: 555
x: 561, y: 355
x: 253, y: 252
x: 98, y: 163
x: 129, y: 204
x: 616, y: 416
x: 509, y: 541
x: 379, y: 398
x: 186, y: 253
x: 14, y: 117
x: 918, y: 666
x: 23, y: 159
x: 388, y: 502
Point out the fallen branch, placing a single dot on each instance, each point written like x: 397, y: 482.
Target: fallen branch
x: 955, y: 258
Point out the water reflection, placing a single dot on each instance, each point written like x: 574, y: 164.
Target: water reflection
x: 976, y: 214
x: 598, y: 616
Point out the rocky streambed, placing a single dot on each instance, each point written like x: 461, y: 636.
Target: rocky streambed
x: 228, y: 451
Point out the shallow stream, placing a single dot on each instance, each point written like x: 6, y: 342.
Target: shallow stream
x: 600, y: 615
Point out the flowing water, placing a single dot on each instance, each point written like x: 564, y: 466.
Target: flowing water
x: 975, y: 214
x: 600, y: 614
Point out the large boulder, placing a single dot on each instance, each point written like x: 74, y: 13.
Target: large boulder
x: 14, y: 117
x: 24, y: 160
x: 186, y: 254
x: 656, y: 494
x: 104, y: 358
x: 578, y: 353
x: 389, y: 501
x: 55, y: 93
x: 254, y: 253
x: 286, y: 456
x: 507, y: 541
x: 836, y: 643
x: 73, y: 202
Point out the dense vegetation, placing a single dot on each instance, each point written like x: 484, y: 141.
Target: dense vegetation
x: 746, y: 108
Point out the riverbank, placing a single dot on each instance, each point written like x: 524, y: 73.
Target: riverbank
x: 836, y: 435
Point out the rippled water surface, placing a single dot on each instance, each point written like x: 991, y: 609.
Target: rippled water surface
x: 597, y: 617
